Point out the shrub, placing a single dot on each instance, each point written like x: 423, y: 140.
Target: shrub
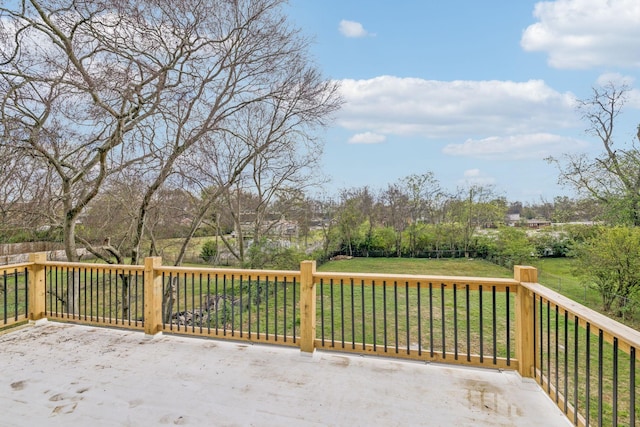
x: 209, y: 251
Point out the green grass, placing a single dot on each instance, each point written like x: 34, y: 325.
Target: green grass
x: 557, y: 274
x: 13, y: 296
x: 445, y: 267
x: 445, y: 322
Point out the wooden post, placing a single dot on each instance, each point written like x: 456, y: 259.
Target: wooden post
x: 37, y: 288
x: 307, y: 306
x: 525, y: 328
x: 152, y: 296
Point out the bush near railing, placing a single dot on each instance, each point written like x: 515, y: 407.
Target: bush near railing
x: 585, y: 361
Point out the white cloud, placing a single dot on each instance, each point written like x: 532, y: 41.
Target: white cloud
x: 352, y: 29
x: 615, y: 78
x: 453, y: 110
x: 476, y: 177
x: 619, y: 80
x: 586, y: 33
x: 516, y: 147
x: 367, y: 138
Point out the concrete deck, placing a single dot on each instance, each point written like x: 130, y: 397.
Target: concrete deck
x: 56, y: 374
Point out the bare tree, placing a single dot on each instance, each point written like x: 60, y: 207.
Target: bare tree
x: 267, y: 146
x: 24, y: 193
x: 613, y: 177
x: 92, y: 89
x: 77, y: 79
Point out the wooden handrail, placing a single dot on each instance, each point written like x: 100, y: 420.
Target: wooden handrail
x: 627, y: 337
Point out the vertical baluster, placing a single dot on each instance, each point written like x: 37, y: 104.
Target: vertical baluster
x: 548, y: 347
x: 541, y: 326
x: 275, y: 308
x: 418, y: 289
x: 200, y: 303
x: 217, y: 298
x: 494, y: 327
x: 468, y: 320
x: 137, y: 276
x: 26, y: 292
x: 632, y: 386
x: 588, y: 374
x: 395, y: 312
x: 333, y: 321
x: 364, y: 335
x: 443, y: 321
x: 374, y: 314
x: 209, y: 305
x: 321, y: 311
x: 193, y: 302
x: 557, y: 383
x: 353, y: 316
x: 508, y: 308
x: 15, y: 294
x: 566, y: 360
x: 266, y: 308
x: 342, y: 313
x: 224, y: 305
x: 431, y: 319
x: 535, y: 337
x: 576, y: 334
x: 481, y: 321
x: 248, y: 305
x: 455, y: 321
x: 384, y: 312
x: 186, y: 304
x: 407, y: 324
x: 615, y: 382
x: 50, y: 286
x: 111, y: 296
x: 258, y: 292
x: 284, y: 311
x: 5, y: 297
x: 294, y: 310
x: 600, y: 373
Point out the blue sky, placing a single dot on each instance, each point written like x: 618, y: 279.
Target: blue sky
x: 477, y: 92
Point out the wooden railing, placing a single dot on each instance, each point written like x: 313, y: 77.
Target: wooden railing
x: 586, y: 362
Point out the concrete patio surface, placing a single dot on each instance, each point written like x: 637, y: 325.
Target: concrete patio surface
x: 55, y: 374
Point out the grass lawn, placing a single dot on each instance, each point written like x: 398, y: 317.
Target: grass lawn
x: 554, y: 273
x: 444, y: 267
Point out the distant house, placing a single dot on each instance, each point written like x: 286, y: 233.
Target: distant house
x: 512, y: 219
x: 538, y: 223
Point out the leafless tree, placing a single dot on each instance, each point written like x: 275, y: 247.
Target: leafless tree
x: 77, y: 79
x: 613, y: 177
x: 268, y: 145
x: 24, y: 193
x: 92, y: 89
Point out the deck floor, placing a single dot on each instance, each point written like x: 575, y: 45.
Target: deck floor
x: 55, y: 374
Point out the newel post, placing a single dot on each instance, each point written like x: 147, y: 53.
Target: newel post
x: 36, y: 286
x: 152, y: 296
x: 525, y: 327
x: 307, y: 306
